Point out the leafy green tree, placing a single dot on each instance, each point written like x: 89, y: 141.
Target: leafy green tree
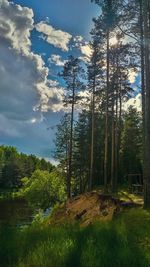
x: 43, y: 189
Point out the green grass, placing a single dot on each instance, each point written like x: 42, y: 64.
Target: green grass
x: 124, y: 242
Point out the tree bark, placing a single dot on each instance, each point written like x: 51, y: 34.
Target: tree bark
x: 106, y: 118
x: 92, y: 137
x: 147, y: 107
x: 70, y: 147
x: 113, y: 146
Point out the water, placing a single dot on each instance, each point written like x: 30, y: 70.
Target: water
x: 15, y: 212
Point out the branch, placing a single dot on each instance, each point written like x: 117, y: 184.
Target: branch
x: 127, y: 34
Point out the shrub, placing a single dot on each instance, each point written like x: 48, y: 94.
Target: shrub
x: 43, y: 189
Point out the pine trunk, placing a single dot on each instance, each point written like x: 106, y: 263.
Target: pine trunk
x: 92, y: 137
x: 113, y: 146
x: 147, y: 108
x: 70, y: 147
x: 106, y: 120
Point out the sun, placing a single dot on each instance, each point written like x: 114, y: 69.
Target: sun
x: 113, y: 40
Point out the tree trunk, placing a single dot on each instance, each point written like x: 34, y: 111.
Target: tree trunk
x: 106, y: 119
x: 70, y: 147
x: 142, y: 67
x: 147, y: 108
x: 113, y: 146
x: 116, y: 146
x: 92, y: 137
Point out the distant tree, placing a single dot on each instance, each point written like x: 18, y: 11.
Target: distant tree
x: 14, y: 166
x: 82, y: 150
x: 62, y: 143
x: 131, y: 143
x: 81, y: 153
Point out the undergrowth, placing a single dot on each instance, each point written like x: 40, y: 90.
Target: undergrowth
x: 123, y: 242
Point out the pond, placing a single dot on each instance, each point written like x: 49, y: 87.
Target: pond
x: 15, y: 212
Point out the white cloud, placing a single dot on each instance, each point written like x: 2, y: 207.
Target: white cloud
x: 25, y: 88
x: 16, y: 23
x: 51, y: 97
x: 132, y: 75
x: 84, y: 47
x: 57, y: 60
x: 86, y: 50
x: 24, y: 76
x: 113, y: 40
x: 78, y: 41
x: 135, y: 102
x: 57, y: 38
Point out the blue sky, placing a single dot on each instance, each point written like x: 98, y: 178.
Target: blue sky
x: 74, y: 17
x: 35, y: 39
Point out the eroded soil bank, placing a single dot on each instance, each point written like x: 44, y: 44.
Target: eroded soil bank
x: 90, y: 207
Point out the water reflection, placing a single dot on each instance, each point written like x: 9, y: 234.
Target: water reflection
x: 15, y: 212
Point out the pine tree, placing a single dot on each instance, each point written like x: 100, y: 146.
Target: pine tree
x: 72, y: 74
x: 94, y: 83
x: 131, y: 143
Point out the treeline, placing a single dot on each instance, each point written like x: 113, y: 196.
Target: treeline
x: 14, y: 166
x: 107, y: 143
x: 130, y: 149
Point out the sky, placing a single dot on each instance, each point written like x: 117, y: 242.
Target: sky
x: 36, y: 38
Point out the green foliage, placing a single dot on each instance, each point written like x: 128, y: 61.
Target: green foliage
x: 123, y: 242
x: 14, y: 166
x: 130, y: 160
x: 131, y: 143
x: 43, y: 189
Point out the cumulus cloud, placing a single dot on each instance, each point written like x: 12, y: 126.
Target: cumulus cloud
x: 51, y: 97
x: 16, y: 23
x: 83, y: 47
x: 29, y: 100
x: 135, y: 102
x: 57, y: 38
x: 86, y: 52
x: 57, y: 60
x: 24, y: 76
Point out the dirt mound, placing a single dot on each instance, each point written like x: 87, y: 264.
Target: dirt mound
x: 87, y: 208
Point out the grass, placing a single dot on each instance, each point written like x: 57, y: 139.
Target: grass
x: 123, y: 242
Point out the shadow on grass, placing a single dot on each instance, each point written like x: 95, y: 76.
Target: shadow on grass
x: 119, y: 243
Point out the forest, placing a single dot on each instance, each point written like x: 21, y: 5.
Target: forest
x: 106, y: 142
x: 14, y: 166
x: 93, y: 207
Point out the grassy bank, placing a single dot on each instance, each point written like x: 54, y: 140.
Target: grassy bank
x: 124, y: 242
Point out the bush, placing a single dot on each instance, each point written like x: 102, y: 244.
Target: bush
x: 43, y: 189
